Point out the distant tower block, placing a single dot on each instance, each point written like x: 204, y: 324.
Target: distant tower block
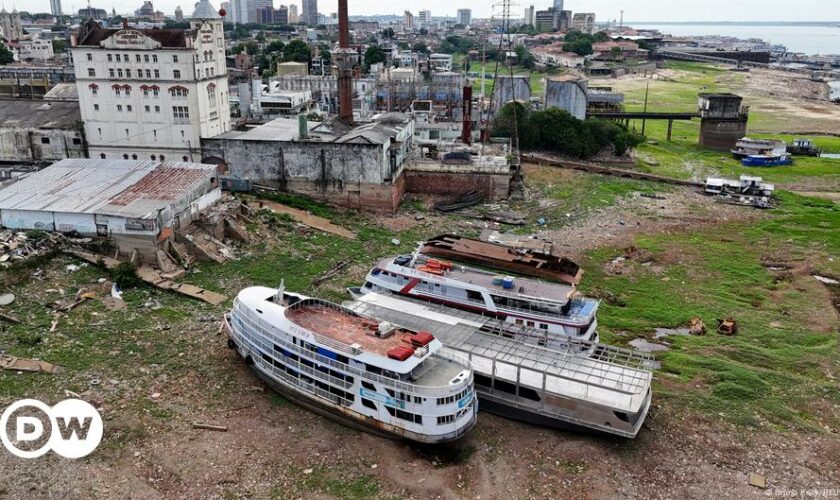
x: 507, y: 89
x: 723, y: 120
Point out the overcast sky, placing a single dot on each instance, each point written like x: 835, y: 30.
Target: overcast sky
x: 638, y: 10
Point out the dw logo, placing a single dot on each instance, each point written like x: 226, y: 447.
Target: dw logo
x: 72, y: 428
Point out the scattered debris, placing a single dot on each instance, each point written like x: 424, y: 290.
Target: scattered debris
x: 9, y: 318
x: 6, y: 299
x: 727, y: 326
x: 209, y: 427
x: 661, y: 333
x: 116, y: 293
x: 154, y: 277
x: 332, y: 272
x: 27, y: 365
x: 758, y: 480
x: 464, y: 200
x: 20, y: 245
x: 696, y: 326
x: 72, y: 268
x: 826, y: 280
x: 395, y: 242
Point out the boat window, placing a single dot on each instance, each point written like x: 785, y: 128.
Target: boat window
x: 474, y: 295
x: 528, y: 393
x: 367, y: 385
x: 543, y: 326
x: 369, y: 404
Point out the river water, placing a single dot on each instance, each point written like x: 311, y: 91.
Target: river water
x: 808, y: 39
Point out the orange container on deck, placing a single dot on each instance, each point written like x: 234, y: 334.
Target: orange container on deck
x: 400, y: 353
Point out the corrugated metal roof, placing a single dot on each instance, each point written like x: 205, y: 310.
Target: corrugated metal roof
x: 131, y: 188
x: 20, y: 113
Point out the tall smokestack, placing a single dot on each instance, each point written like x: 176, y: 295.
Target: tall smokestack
x: 344, y: 61
x: 466, y: 130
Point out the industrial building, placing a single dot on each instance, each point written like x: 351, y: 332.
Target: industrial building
x: 723, y: 120
x: 333, y: 161
x: 137, y: 204
x: 40, y: 132
x: 510, y: 88
x: 152, y: 93
x: 569, y: 94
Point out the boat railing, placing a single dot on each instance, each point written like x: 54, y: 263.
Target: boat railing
x: 265, y: 329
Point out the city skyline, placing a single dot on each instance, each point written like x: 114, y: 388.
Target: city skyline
x: 652, y: 11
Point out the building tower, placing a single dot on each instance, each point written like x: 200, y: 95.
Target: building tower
x: 55, y: 7
x: 309, y: 12
x: 464, y: 17
x: 152, y: 93
x: 344, y: 59
x: 10, y: 25
x: 293, y: 13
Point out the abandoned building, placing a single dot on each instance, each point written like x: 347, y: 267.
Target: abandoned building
x: 138, y: 204
x: 40, y: 132
x: 723, y: 120
x: 332, y: 161
x: 510, y: 88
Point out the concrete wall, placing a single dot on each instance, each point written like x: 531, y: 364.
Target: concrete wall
x: 27, y: 145
x: 347, y: 174
x: 508, y: 89
x: 567, y: 95
x: 721, y: 135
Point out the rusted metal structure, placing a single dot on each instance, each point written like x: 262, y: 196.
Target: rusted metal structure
x: 466, y: 131
x: 344, y: 59
x: 515, y: 260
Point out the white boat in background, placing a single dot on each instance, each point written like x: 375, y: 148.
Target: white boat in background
x: 547, y: 307
x: 360, y: 371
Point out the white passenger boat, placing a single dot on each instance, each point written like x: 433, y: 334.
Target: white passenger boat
x: 608, y: 392
x: 360, y: 371
x: 548, y: 307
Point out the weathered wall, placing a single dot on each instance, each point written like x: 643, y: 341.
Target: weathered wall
x: 567, y: 95
x: 348, y: 174
x: 721, y: 135
x: 27, y: 145
x: 494, y: 186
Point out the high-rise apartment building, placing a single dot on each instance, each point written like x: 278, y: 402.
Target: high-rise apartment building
x: 464, y: 16
x: 309, y: 12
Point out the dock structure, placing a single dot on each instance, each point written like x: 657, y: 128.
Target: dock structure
x: 570, y: 384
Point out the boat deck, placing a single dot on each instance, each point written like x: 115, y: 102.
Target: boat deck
x: 343, y: 327
x: 614, y: 376
x: 521, y: 286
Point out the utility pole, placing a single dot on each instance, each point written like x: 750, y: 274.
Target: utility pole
x: 644, y: 122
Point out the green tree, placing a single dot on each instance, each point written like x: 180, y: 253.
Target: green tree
x: 275, y: 46
x: 420, y: 48
x: 616, y: 53
x: 324, y: 53
x: 524, y: 57
x: 6, y: 56
x: 558, y: 131
x: 581, y: 47
x: 297, y: 50
x: 374, y: 54
x: 388, y: 33
x: 59, y: 46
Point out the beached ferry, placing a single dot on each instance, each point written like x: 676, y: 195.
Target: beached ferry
x: 553, y: 308
x: 365, y: 373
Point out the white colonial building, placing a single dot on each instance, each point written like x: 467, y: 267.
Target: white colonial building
x: 152, y: 93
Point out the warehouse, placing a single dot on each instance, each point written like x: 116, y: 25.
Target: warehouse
x: 137, y: 204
